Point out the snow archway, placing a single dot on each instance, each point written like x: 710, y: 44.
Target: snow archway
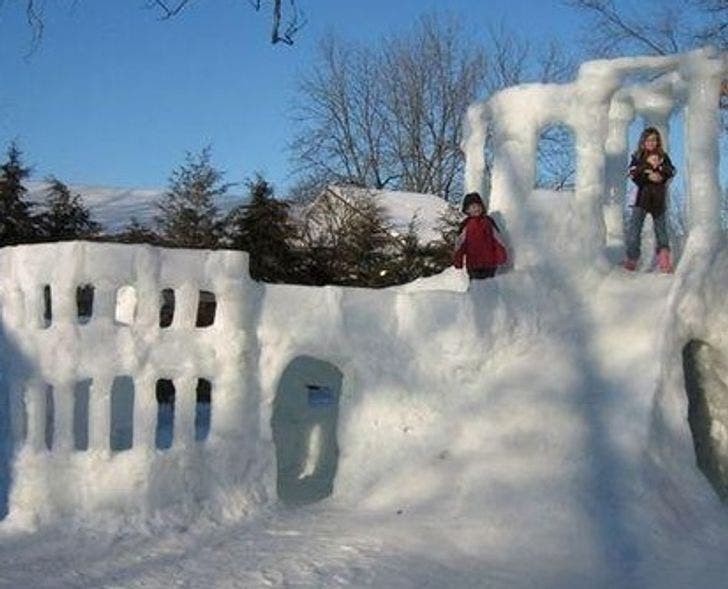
x: 599, y: 105
x: 304, y: 422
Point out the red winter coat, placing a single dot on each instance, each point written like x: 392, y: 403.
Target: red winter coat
x: 480, y: 243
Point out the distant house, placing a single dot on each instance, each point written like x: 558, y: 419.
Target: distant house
x: 401, y: 209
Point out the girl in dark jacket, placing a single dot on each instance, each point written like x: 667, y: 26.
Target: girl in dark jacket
x: 479, y: 241
x: 650, y: 169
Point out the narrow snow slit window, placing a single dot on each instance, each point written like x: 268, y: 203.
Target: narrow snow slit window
x: 305, y: 413
x: 126, y: 303
x: 707, y: 393
x: 47, y: 308
x: 203, y: 409
x: 122, y: 414
x: 81, y: 393
x: 556, y: 158
x: 166, y: 308
x: 165, y: 413
x: 85, y: 302
x: 50, y: 417
x: 206, y: 309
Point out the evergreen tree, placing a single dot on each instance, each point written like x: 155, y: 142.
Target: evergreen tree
x: 263, y: 228
x: 136, y: 232
x: 188, y: 215
x: 17, y: 224
x: 66, y: 216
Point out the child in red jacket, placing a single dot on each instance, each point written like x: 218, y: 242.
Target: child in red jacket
x: 479, y: 241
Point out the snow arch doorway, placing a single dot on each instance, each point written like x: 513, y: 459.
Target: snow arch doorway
x: 706, y: 384
x: 305, y: 415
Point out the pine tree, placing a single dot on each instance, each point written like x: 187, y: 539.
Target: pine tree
x: 17, y: 224
x: 136, y: 232
x: 188, y: 215
x: 66, y: 216
x: 263, y: 228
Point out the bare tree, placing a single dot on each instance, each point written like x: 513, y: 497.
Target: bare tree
x: 287, y: 19
x: 667, y: 27
x: 389, y: 116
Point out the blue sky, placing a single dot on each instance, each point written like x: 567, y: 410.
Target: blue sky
x: 113, y: 96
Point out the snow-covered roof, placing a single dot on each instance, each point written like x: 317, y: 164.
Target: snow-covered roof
x: 400, y: 207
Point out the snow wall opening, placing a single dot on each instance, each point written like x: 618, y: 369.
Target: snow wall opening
x: 707, y: 391
x: 304, y: 422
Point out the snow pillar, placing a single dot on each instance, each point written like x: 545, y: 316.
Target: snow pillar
x: 145, y: 409
x: 63, y: 416
x: 621, y: 114
x: 185, y: 401
x: 99, y: 413
x: 36, y: 406
x: 703, y: 71
x: 473, y: 146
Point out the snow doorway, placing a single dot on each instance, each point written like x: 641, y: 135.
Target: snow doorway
x: 305, y: 415
x: 706, y: 384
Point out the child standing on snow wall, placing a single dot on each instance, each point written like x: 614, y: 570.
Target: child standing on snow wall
x: 650, y: 169
x: 479, y: 241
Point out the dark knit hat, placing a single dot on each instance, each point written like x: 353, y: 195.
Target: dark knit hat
x: 472, y: 198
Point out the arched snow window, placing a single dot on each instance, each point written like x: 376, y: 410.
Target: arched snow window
x: 81, y: 394
x: 122, y: 414
x: 556, y: 158
x: 166, y: 307
x: 85, y: 303
x: 206, y: 307
x: 165, y: 393
x: 203, y: 409
x: 305, y: 414
x: 126, y: 303
x: 47, y: 318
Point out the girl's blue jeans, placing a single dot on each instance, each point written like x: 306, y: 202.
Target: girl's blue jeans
x: 634, y: 232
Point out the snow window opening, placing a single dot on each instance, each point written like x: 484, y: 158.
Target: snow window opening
x: 166, y: 308
x: 50, y: 417
x: 126, y: 303
x: 203, y: 409
x: 556, y: 158
x: 165, y: 393
x: 47, y: 307
x: 121, y: 433
x: 84, y: 302
x: 206, y: 307
x: 81, y: 395
x: 304, y: 422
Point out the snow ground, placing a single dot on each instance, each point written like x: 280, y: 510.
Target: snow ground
x: 556, y: 499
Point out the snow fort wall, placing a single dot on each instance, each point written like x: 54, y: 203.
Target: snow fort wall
x: 599, y: 106
x: 400, y: 356
x: 122, y: 350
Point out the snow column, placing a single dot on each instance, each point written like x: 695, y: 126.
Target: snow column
x: 475, y: 131
x: 595, y: 87
x: 621, y: 114
x: 703, y: 71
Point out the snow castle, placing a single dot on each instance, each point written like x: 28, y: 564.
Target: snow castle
x: 395, y: 369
